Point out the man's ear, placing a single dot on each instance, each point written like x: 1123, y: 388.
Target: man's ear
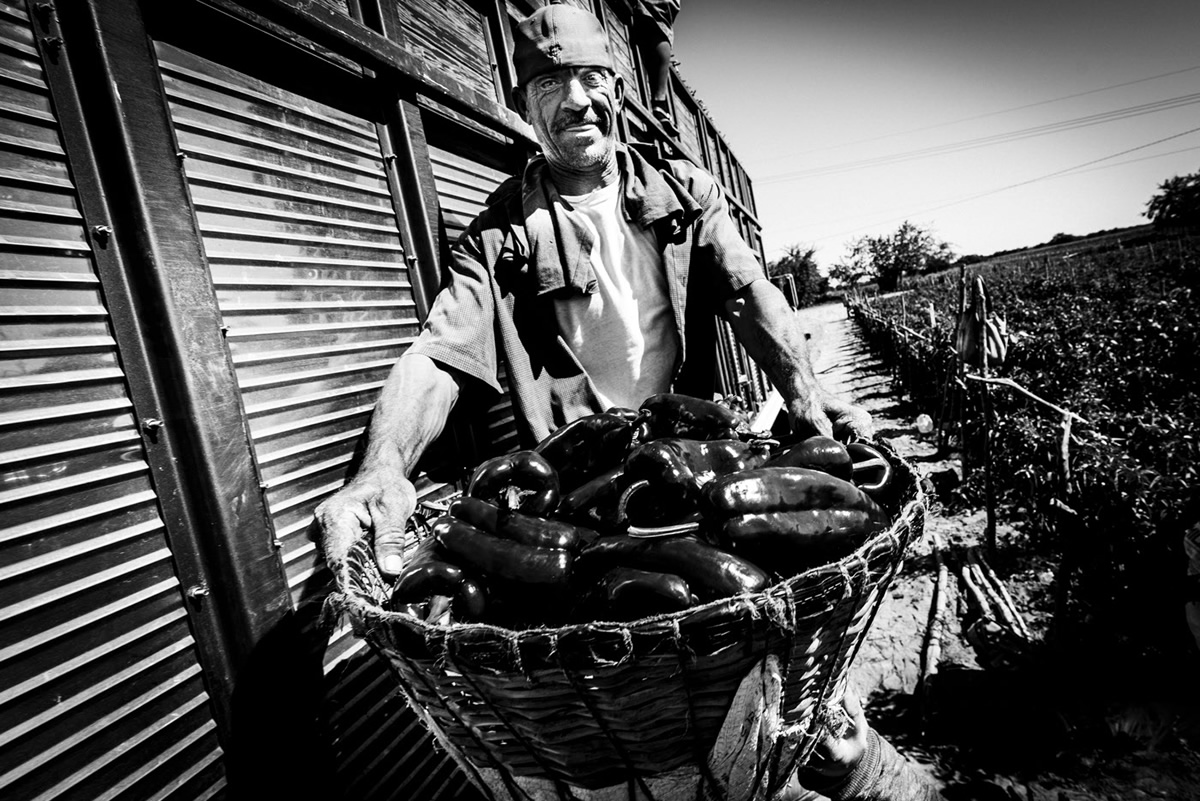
x: 519, y: 104
x: 618, y: 91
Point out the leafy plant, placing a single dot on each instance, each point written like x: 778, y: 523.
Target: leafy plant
x: 1112, y: 336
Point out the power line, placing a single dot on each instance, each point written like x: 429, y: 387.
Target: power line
x: 997, y: 190
x: 986, y: 141
x: 1072, y: 172
x: 1143, y: 158
x: 982, y: 116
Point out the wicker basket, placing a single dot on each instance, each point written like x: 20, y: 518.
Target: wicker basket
x: 720, y: 701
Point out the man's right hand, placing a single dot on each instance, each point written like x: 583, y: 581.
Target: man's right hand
x: 378, y: 503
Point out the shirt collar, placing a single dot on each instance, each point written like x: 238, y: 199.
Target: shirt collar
x: 560, y: 248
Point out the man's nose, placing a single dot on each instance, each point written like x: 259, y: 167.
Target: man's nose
x: 577, y: 96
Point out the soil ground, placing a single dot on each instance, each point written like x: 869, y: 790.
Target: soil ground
x: 994, y: 720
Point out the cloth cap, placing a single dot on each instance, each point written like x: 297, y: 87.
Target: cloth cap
x: 557, y: 36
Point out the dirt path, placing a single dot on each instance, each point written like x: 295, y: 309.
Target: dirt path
x: 989, y: 725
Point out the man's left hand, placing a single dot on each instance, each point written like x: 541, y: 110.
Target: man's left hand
x: 823, y: 413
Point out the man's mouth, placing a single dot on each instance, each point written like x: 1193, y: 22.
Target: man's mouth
x: 580, y: 125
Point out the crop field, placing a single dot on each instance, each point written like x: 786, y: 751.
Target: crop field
x: 1112, y: 337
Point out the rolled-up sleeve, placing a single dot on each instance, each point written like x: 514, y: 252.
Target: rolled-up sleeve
x: 460, y: 330
x: 718, y: 238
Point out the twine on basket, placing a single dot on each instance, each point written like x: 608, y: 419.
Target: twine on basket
x: 612, y: 710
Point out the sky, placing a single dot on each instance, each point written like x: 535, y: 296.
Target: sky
x: 993, y: 125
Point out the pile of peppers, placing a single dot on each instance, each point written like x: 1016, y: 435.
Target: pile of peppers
x: 633, y: 513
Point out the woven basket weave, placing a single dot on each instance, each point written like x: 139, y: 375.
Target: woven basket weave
x: 639, y: 710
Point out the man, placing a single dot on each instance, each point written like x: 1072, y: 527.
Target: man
x: 654, y: 32
x: 596, y: 275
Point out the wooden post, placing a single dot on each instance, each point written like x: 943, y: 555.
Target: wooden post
x: 937, y: 612
x: 960, y: 364
x: 989, y: 493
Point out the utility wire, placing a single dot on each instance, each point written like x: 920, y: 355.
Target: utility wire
x: 982, y: 116
x: 997, y: 190
x: 986, y: 141
x: 851, y: 217
x: 1057, y: 173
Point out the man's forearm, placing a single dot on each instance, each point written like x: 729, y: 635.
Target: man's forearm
x: 411, y: 412
x: 769, y: 330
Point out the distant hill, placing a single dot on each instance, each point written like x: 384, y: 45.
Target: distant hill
x: 1061, y: 245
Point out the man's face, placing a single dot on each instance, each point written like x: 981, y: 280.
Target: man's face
x: 573, y: 111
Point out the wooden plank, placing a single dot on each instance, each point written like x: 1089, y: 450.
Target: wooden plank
x: 386, y: 57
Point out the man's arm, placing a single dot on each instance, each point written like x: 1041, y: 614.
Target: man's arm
x: 770, y: 331
x: 411, y: 412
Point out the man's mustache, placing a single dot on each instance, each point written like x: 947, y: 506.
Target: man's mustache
x: 581, y: 119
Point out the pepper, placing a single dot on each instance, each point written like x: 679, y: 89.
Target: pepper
x: 710, y: 572
x: 630, y: 415
x: 525, y: 529
x: 684, y: 466
x: 631, y: 594
x: 522, y: 481
x: 790, y: 518
x: 429, y: 573
x: 597, y: 504
x: 587, y: 447
x: 794, y: 541
x: 495, y: 558
x: 872, y: 472
x: 818, y: 453
x: 782, y: 489
x: 672, y: 415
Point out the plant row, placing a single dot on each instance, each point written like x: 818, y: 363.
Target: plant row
x: 1111, y: 337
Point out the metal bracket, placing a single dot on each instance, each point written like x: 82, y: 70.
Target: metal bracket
x: 102, y: 233
x: 151, y: 426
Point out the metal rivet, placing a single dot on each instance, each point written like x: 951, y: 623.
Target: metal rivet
x: 151, y: 424
x: 197, y: 591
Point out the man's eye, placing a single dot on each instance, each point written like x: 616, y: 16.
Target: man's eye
x: 547, y: 84
x: 594, y: 78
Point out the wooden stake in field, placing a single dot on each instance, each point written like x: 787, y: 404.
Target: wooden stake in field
x: 937, y: 614
x: 989, y: 493
x: 961, y: 372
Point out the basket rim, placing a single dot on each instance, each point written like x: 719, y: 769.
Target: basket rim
x: 366, y: 613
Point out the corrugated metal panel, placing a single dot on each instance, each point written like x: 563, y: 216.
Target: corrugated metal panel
x: 463, y: 185
x: 451, y: 36
x: 380, y: 735
x: 300, y: 232
x: 100, y: 686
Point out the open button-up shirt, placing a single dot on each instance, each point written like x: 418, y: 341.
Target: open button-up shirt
x: 496, y: 297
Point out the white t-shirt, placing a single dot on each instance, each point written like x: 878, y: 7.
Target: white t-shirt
x: 624, y: 335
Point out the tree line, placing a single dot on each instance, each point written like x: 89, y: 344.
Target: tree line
x: 912, y: 250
